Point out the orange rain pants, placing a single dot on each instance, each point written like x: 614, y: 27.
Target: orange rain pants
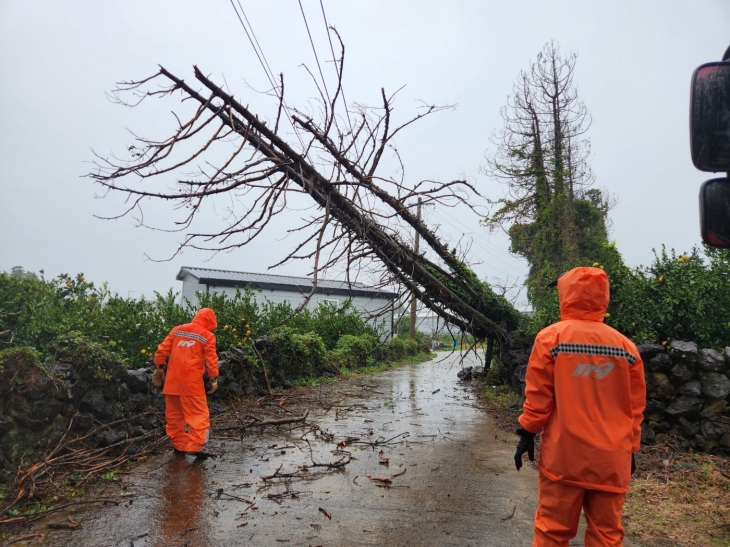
x: 188, y: 421
x: 556, y: 521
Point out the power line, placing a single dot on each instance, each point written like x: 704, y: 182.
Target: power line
x: 476, y: 239
x: 271, y: 72
x: 486, y: 241
x: 316, y: 57
x: 264, y: 66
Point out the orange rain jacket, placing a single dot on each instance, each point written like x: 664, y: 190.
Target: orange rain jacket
x: 191, y: 349
x: 585, y: 390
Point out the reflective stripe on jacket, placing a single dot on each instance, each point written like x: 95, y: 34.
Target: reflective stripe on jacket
x: 585, y: 390
x: 191, y: 348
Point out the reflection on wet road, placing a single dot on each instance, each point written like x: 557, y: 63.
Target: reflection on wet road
x: 426, y: 469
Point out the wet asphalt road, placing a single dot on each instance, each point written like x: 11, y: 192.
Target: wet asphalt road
x: 453, y: 479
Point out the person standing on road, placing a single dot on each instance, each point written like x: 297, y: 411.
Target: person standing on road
x: 586, y: 393
x: 192, y: 354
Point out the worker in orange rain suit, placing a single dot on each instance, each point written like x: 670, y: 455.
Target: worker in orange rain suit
x: 586, y: 392
x: 192, y: 353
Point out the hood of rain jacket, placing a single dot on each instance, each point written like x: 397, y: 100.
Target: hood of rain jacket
x: 583, y: 294
x: 206, y: 318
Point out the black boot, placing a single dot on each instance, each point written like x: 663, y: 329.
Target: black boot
x: 202, y: 455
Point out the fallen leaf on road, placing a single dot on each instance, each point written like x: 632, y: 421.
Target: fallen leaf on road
x: 325, y: 513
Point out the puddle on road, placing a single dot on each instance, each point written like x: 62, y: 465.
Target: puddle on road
x: 448, y: 478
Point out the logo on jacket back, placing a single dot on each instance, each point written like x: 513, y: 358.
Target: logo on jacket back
x: 186, y: 343
x: 597, y: 371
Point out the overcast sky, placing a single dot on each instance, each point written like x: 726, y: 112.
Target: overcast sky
x: 58, y: 59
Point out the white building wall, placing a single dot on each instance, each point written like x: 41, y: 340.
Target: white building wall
x: 366, y: 306
x: 190, y: 287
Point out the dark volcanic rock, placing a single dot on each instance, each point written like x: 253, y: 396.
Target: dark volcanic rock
x: 683, y: 352
x: 137, y: 402
x: 714, y: 408
x: 659, y: 363
x: 465, y: 373
x: 687, y: 427
x: 40, y: 388
x: 681, y: 373
x: 137, y: 380
x: 715, y: 385
x: 647, y: 350
x: 83, y: 422
x: 108, y: 438
x: 692, y: 388
x: 653, y: 406
x: 712, y: 430
x: 64, y: 370
x: 659, y: 386
x: 711, y: 361
x: 684, y: 406
x: 216, y: 408
x: 93, y: 401
x: 648, y: 437
x: 138, y: 431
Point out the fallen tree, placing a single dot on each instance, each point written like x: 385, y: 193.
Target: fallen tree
x: 362, y: 216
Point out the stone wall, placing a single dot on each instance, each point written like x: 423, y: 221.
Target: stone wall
x: 687, y: 390
x: 38, y: 403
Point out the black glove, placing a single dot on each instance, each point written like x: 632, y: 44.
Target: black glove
x: 633, y: 463
x: 526, y: 444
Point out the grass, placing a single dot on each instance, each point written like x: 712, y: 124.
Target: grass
x: 371, y: 369
x: 312, y: 382
x: 679, y: 499
x: 381, y: 367
x: 502, y: 397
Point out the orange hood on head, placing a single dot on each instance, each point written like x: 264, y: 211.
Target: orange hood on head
x: 206, y: 318
x: 583, y: 294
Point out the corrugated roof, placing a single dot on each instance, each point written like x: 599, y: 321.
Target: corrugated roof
x: 282, y: 282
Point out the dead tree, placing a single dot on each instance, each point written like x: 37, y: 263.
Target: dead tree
x: 226, y: 150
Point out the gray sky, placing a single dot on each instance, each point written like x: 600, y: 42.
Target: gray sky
x: 57, y: 60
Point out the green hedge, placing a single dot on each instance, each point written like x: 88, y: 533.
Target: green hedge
x: 40, y: 313
x: 678, y: 296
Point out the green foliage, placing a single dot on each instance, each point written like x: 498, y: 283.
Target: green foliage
x: 73, y: 317
x: 69, y: 318
x: 111, y: 476
x: 685, y: 297
x: 355, y: 352
x: 303, y: 355
x: 400, y: 348
x: 495, y: 306
x: 566, y: 233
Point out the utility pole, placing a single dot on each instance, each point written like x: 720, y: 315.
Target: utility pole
x: 413, y: 298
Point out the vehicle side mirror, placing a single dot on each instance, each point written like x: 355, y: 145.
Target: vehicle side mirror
x: 710, y: 117
x: 715, y: 212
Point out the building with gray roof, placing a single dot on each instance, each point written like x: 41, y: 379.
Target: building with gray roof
x: 370, y: 302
